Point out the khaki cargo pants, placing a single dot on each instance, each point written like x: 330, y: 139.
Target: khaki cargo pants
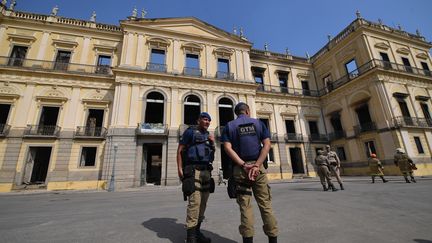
x: 198, y: 200
x: 324, y: 174
x: 335, y: 170
x: 262, y: 194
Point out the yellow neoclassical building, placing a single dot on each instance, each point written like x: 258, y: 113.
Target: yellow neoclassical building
x: 83, y: 104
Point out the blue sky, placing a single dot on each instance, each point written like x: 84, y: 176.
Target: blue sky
x: 300, y: 25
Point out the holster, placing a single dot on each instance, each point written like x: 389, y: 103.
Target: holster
x: 188, y: 181
x: 212, y: 185
x: 232, y: 188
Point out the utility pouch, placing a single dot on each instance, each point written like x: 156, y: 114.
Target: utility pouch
x: 232, y: 188
x: 188, y: 182
x: 212, y: 185
x: 265, y: 163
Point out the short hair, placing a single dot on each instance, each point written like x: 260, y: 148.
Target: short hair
x: 241, y: 108
x: 320, y: 152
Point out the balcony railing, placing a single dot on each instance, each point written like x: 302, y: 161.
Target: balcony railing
x: 287, y: 90
x: 336, y: 135
x: 224, y: 75
x: 403, y: 121
x: 293, y: 137
x: 194, y: 72
x: 365, y: 127
x: 32, y: 64
x: 87, y: 131
x: 321, y: 138
x: 156, y: 67
x: 42, y: 130
x: 152, y: 129
x: 4, y: 130
x: 374, y: 63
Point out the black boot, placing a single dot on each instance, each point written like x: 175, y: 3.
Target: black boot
x: 200, y: 237
x: 406, y: 180
x: 333, y: 188
x: 373, y: 179
x: 325, y: 188
x: 191, y: 235
x: 413, y: 180
x: 384, y: 180
x: 247, y: 239
x: 272, y: 239
x: 341, y: 186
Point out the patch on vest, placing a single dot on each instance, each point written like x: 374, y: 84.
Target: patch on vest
x: 246, y: 129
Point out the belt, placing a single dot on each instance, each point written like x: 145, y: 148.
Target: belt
x: 201, y: 167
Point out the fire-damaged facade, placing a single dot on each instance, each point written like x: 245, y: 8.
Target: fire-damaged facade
x: 83, y: 103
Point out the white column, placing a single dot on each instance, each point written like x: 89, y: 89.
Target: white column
x: 23, y: 118
x: 85, y: 50
x: 2, y: 34
x: 134, y: 112
x: 176, y: 116
x: 140, y: 52
x: 121, y: 105
x: 176, y: 57
x: 43, y: 46
x: 247, y: 66
x: 129, y: 49
x: 73, y: 109
x: 209, y: 62
x: 238, y: 60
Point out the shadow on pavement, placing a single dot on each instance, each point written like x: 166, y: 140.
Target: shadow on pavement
x: 307, y: 189
x: 168, y: 228
x: 422, y: 241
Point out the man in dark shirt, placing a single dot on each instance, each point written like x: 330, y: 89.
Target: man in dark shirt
x: 242, y: 140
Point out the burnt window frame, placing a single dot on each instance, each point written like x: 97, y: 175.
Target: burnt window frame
x: 80, y: 164
x: 419, y: 145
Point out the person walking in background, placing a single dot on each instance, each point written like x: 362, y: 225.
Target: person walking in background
x: 376, y: 168
x: 405, y: 164
x: 323, y: 171
x: 334, y: 164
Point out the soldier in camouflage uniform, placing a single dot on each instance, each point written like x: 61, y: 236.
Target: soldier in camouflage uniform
x: 376, y: 168
x: 405, y: 164
x: 323, y: 171
x: 334, y: 165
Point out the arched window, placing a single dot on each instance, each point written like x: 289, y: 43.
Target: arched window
x: 154, y: 112
x: 226, y: 112
x: 192, y: 109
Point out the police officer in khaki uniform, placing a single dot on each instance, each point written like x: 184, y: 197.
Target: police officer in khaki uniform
x: 323, y: 171
x: 242, y: 139
x: 195, y: 155
x: 405, y: 164
x: 376, y: 168
x: 334, y: 166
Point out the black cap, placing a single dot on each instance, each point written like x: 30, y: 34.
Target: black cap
x: 238, y: 107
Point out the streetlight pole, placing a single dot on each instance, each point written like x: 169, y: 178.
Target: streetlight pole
x: 111, y: 187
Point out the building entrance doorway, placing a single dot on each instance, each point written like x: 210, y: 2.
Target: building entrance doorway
x: 36, y: 166
x: 296, y: 161
x: 151, y: 168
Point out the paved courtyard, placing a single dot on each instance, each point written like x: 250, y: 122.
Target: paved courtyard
x: 364, y: 212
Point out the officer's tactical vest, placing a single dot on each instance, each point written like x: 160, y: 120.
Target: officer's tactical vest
x: 201, y: 150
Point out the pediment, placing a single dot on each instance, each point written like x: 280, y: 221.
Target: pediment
x: 186, y: 26
x: 382, y: 45
x: 422, y: 56
x: 403, y: 50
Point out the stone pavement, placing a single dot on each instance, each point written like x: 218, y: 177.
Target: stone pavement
x: 364, y: 212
